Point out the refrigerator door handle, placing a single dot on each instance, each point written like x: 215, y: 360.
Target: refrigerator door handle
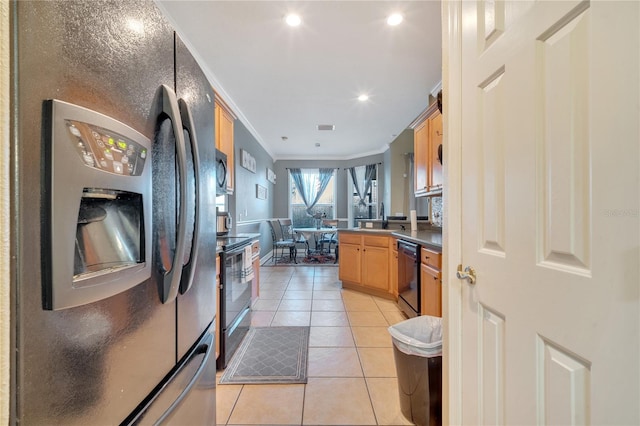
x: 171, y: 282
x: 187, y: 123
x: 205, y: 346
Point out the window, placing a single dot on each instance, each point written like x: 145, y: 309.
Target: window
x: 325, y: 206
x: 370, y: 209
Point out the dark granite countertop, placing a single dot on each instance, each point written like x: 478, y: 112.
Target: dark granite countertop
x: 428, y: 238
x: 247, y: 235
x: 239, y: 237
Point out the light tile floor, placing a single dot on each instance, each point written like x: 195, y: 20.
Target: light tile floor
x: 352, y: 376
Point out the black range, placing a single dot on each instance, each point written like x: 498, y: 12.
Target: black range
x: 236, y: 274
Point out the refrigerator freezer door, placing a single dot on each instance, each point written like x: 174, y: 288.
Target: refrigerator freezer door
x: 188, y: 396
x: 95, y: 363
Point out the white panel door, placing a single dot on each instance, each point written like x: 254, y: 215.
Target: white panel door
x: 550, y: 212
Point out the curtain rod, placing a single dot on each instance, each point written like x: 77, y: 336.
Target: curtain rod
x: 347, y: 168
x: 332, y: 168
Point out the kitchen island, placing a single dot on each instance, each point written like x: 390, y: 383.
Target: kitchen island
x: 369, y: 263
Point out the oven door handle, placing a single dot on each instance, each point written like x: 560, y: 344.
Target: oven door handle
x: 171, y: 282
x: 187, y: 124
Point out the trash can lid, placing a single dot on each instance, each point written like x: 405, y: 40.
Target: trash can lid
x: 418, y: 336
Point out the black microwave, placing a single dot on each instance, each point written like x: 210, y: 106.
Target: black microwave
x: 222, y: 172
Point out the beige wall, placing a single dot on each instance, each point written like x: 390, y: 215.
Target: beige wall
x: 4, y: 212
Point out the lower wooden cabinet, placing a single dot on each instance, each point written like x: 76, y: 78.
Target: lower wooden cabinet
x: 431, y: 298
x: 431, y: 283
x: 255, y: 283
x: 350, y: 258
x: 364, y: 263
x: 393, y: 266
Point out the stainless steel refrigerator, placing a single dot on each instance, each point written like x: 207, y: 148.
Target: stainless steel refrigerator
x: 113, y: 284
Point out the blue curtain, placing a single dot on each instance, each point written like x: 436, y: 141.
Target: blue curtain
x: 362, y: 177
x: 311, y: 184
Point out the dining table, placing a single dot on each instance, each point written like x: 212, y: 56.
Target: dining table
x: 316, y: 233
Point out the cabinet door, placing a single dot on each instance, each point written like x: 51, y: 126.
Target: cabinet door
x: 375, y: 267
x: 435, y: 143
x: 224, y: 141
x: 393, y: 266
x: 421, y: 157
x: 393, y: 273
x: 349, y: 267
x: 431, y: 286
x: 255, y: 283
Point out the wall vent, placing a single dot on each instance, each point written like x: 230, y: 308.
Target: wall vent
x: 326, y: 127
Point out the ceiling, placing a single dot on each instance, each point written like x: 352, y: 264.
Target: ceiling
x: 283, y: 81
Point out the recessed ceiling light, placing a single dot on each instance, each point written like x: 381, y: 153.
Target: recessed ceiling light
x: 293, y: 20
x: 363, y: 98
x: 394, y: 19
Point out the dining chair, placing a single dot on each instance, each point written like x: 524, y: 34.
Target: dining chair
x: 289, y: 234
x: 280, y: 242
x: 329, y: 238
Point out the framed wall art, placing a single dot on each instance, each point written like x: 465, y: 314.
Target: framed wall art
x: 271, y: 176
x: 247, y: 161
x: 261, y: 192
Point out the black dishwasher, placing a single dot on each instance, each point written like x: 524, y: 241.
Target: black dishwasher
x: 409, y: 278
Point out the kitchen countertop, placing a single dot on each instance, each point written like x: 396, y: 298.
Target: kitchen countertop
x: 431, y: 239
x: 428, y: 238
x: 240, y: 236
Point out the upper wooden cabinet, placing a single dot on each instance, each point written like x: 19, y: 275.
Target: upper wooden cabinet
x: 224, y: 119
x: 435, y: 152
x: 420, y: 157
x: 427, y: 152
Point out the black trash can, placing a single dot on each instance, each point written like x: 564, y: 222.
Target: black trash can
x: 417, y: 349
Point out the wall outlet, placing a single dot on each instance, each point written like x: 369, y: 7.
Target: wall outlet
x: 368, y: 225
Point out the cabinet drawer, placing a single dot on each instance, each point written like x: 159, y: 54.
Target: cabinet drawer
x: 431, y: 258
x: 435, y: 273
x: 349, y: 238
x: 376, y: 241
